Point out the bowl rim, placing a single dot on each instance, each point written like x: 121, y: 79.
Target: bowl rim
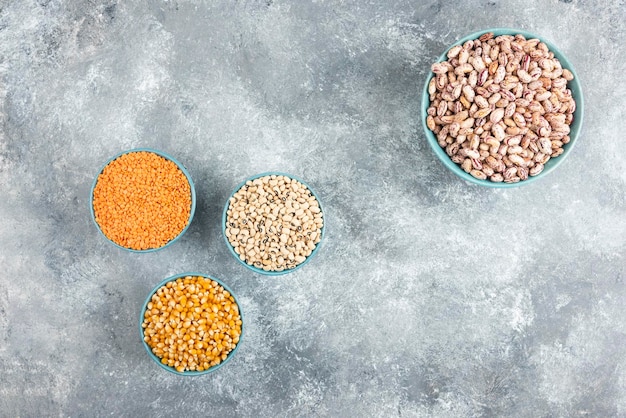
x: 232, y: 250
x: 158, y: 360
x: 166, y: 156
x: 573, y: 85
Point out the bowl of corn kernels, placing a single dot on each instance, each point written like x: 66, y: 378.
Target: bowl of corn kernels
x: 191, y: 324
x: 502, y: 107
x: 143, y: 200
x: 273, y: 223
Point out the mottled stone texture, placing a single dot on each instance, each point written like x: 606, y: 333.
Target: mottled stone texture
x: 429, y: 296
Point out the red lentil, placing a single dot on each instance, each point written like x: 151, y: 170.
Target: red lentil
x: 142, y: 200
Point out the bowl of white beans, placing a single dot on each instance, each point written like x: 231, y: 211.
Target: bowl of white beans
x: 273, y: 223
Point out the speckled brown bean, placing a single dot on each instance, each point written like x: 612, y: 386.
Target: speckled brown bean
x: 508, y: 91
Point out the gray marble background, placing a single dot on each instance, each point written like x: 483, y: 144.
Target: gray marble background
x: 429, y: 297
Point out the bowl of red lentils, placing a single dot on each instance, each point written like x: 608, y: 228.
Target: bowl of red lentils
x: 273, y: 223
x: 142, y: 200
x: 191, y: 324
x: 502, y: 107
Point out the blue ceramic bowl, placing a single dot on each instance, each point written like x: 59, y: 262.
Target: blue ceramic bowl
x: 232, y: 250
x: 158, y: 360
x: 166, y: 156
x: 551, y: 165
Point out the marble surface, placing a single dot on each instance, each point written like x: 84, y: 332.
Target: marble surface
x: 429, y: 296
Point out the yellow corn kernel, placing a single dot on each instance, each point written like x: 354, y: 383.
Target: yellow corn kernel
x: 195, y: 335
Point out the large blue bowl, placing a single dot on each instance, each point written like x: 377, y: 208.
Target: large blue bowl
x: 232, y: 250
x: 158, y: 360
x: 166, y: 156
x: 551, y: 165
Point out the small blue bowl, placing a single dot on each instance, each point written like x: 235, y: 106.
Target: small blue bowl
x: 551, y: 165
x: 232, y: 250
x: 158, y: 360
x: 166, y: 156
